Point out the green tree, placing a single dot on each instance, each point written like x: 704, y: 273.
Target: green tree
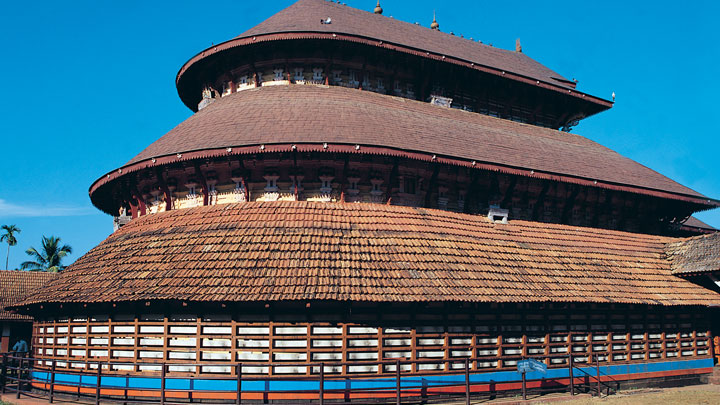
x: 8, y: 236
x: 49, y: 258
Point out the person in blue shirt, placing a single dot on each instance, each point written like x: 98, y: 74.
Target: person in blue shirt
x: 20, y: 346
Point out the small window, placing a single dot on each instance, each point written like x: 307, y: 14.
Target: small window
x: 380, y: 83
x: 409, y: 185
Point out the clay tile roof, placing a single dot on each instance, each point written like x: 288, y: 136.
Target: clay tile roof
x: 305, y: 16
x: 337, y: 115
x: 279, y: 251
x: 699, y: 254
x: 14, y: 285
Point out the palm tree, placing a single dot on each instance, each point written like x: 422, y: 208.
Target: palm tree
x: 9, y: 237
x: 49, y: 258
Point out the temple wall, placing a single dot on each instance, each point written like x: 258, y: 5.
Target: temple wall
x: 495, y: 339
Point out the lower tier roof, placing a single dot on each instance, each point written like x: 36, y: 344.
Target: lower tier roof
x: 306, y: 251
x: 15, y: 285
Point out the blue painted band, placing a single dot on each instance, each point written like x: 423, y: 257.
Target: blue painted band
x: 384, y: 383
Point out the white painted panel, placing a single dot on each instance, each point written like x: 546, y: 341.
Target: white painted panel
x: 486, y: 341
x: 123, y: 367
x: 362, y: 356
x: 77, y: 365
x: 403, y: 367
x: 62, y: 340
x: 62, y: 329
x: 429, y: 342
x: 183, y: 330
x: 217, y: 330
x: 99, y: 329
x: 357, y: 330
x: 146, y: 354
x: 467, y: 353
x: 512, y: 351
x: 49, y: 340
x: 182, y: 355
x: 460, y: 341
x: 327, y: 369
x: 123, y: 353
x: 151, y: 341
x: 48, y: 351
x: 290, y: 356
x: 98, y: 341
x: 152, y: 329
x: 123, y: 341
x: 396, y: 355
x: 397, y: 330
x: 430, y: 366
x: 327, y: 343
x: 254, y: 370
x: 326, y: 356
x: 78, y: 352
x: 430, y: 353
x: 98, y: 353
x: 81, y: 319
x: 61, y: 352
x: 362, y: 343
x: 491, y: 352
x: 61, y: 364
x: 182, y: 342
x: 216, y: 369
x: 326, y: 330
x: 79, y: 341
x: 40, y: 330
x: 290, y: 370
x: 290, y: 343
x: 289, y: 330
x: 150, y: 367
x: 216, y: 343
x: 363, y: 369
x: 395, y: 342
x: 253, y: 343
x: 182, y: 369
x: 253, y: 356
x: 253, y: 330
x: 50, y: 329
x: 123, y: 329
x: 216, y: 356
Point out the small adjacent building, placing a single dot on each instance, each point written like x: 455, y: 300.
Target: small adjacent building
x: 14, y: 285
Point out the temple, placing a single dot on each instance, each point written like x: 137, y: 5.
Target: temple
x: 381, y: 197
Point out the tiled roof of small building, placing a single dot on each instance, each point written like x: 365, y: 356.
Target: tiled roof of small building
x: 699, y: 254
x: 305, y: 16
x: 278, y: 251
x: 14, y: 285
x: 336, y: 115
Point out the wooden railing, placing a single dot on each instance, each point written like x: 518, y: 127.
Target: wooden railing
x: 16, y: 376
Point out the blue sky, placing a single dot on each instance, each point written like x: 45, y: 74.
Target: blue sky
x: 86, y: 85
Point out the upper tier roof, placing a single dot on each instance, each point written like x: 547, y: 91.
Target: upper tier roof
x: 289, y: 251
x: 302, y: 19
x: 305, y: 16
x: 309, y: 115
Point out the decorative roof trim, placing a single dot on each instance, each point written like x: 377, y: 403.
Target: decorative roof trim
x: 387, y: 151
x: 236, y: 42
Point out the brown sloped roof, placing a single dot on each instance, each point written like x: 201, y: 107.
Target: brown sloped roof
x: 336, y: 115
x: 699, y: 254
x: 278, y: 251
x: 305, y: 16
x: 693, y: 222
x: 15, y: 285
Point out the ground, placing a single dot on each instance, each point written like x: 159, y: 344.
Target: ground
x: 695, y: 394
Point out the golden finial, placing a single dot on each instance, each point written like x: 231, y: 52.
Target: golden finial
x: 434, y: 25
x: 378, y: 9
x: 518, y: 47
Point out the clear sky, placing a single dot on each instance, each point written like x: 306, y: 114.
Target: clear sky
x: 86, y: 85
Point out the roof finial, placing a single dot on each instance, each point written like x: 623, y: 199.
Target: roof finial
x: 518, y: 47
x: 434, y: 25
x: 378, y: 9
